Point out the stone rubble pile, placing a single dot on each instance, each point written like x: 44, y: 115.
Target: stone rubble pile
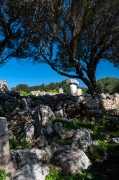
x: 34, y: 121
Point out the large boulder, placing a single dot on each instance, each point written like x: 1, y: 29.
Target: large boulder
x: 24, y: 157
x: 90, y: 104
x: 72, y: 160
x: 60, y: 110
x: 43, y: 119
x: 82, y: 137
x: 32, y: 171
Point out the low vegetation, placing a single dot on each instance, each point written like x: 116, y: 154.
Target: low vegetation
x: 104, y: 155
x: 3, y: 174
x: 51, y: 87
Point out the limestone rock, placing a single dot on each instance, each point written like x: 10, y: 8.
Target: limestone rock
x: 24, y: 157
x: 3, y: 86
x: 91, y: 104
x: 24, y: 103
x: 61, y: 91
x: 60, y: 110
x: 79, y: 92
x: 58, y: 126
x: 43, y: 119
x: 73, y: 85
x: 29, y: 132
x: 32, y: 171
x: 73, y: 160
x: 82, y: 136
x: 116, y: 140
x: 5, y: 159
x: 68, y: 134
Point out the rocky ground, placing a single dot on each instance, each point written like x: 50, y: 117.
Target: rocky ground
x: 61, y: 135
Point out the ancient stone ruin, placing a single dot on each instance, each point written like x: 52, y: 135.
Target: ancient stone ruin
x: 73, y: 87
x: 36, y: 122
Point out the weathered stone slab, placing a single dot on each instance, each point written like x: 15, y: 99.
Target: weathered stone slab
x: 5, y: 162
x: 4, y: 142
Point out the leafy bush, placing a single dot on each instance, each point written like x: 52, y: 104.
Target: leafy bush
x: 108, y: 85
x: 53, y: 91
x: 58, y: 175
x: 3, y: 174
x: 23, y: 93
x: 15, y: 143
x: 54, y: 175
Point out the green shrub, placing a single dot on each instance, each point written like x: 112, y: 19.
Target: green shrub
x: 58, y: 175
x: 23, y: 93
x: 54, y: 175
x: 25, y: 144
x: 3, y: 174
x: 53, y: 91
x: 14, y: 143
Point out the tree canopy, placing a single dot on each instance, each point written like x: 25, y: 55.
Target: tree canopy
x: 72, y: 36
x: 16, y: 20
x: 108, y: 85
x: 78, y: 35
x: 44, y: 87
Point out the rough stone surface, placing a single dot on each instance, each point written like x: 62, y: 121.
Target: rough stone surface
x: 79, y: 92
x: 47, y: 114
x: 32, y: 171
x: 72, y: 160
x: 73, y: 86
x: 42, y: 141
x: 72, y: 81
x: 29, y: 132
x: 23, y: 157
x: 116, y: 140
x: 61, y: 90
x: 58, y: 126
x: 24, y: 103
x: 43, y: 118
x: 91, y: 104
x: 4, y: 142
x: 68, y: 134
x: 60, y: 110
x: 82, y: 136
x: 3, y: 86
x: 5, y: 159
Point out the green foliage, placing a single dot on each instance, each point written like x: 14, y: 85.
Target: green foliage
x: 15, y: 143
x: 23, y: 93
x: 22, y: 87
x: 108, y: 85
x: 54, y: 175
x: 76, y: 124
x: 53, y: 91
x: 3, y: 174
x: 58, y: 175
x: 84, y: 91
x: 25, y: 144
x: 52, y: 87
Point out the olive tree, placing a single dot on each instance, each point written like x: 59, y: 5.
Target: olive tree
x: 17, y: 18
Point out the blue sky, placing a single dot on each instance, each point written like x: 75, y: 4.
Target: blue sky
x: 15, y: 73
